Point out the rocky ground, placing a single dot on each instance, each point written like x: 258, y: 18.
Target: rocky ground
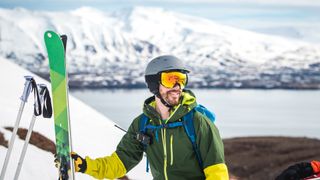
x: 246, y: 157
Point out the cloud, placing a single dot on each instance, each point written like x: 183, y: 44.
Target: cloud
x: 261, y: 2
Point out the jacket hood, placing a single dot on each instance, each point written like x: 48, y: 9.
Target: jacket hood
x: 187, y: 103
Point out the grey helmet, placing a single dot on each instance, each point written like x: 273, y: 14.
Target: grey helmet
x: 161, y: 64
x: 164, y: 63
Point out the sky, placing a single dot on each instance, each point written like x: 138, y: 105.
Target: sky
x: 299, y: 19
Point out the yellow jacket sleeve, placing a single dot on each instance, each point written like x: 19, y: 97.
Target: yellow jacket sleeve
x: 216, y: 172
x: 110, y: 167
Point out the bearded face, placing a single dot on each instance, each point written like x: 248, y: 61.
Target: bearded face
x: 171, y: 95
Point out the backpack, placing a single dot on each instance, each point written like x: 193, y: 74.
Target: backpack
x: 187, y: 123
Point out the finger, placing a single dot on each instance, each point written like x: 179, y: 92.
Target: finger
x: 77, y: 169
x: 78, y: 161
x: 76, y: 166
x: 74, y: 155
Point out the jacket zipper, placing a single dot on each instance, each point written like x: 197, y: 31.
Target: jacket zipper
x: 163, y: 135
x: 171, y: 149
x: 164, y: 142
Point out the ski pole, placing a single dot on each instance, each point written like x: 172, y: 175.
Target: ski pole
x: 25, y: 147
x: 120, y: 128
x: 43, y: 89
x: 24, y: 98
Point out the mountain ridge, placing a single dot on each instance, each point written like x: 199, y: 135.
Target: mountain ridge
x: 111, y: 49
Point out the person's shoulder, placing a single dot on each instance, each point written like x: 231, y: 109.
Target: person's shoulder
x: 135, y: 124
x: 202, y: 118
x: 201, y: 121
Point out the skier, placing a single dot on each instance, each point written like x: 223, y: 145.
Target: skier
x: 300, y: 171
x: 163, y: 136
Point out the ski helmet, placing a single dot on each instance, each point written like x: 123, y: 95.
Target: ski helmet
x: 162, y: 64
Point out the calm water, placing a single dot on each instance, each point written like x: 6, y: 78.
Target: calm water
x: 239, y: 112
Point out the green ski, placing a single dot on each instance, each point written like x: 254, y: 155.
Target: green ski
x: 56, y: 46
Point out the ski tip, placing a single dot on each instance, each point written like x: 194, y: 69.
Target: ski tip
x: 49, y: 34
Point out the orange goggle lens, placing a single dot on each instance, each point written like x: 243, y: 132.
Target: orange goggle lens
x: 170, y: 79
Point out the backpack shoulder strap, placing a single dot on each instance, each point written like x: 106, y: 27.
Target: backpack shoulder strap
x: 143, y: 123
x: 190, y: 131
x: 142, y: 129
x: 203, y: 110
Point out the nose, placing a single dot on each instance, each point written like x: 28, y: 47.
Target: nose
x: 176, y: 87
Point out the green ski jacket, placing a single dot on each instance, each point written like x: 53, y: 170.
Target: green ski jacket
x: 171, y: 154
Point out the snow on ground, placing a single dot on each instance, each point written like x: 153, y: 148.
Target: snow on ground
x: 93, y: 134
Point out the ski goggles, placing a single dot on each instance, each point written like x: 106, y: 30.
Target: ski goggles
x: 170, y: 79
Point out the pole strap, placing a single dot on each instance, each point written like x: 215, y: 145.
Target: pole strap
x: 46, y: 101
x: 37, y: 104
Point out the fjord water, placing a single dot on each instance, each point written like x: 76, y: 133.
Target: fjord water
x: 238, y: 112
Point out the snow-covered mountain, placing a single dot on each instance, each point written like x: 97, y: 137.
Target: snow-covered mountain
x: 92, y: 133
x: 112, y: 49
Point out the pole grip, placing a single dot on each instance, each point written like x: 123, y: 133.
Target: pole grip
x: 27, y: 88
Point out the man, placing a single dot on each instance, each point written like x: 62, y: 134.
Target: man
x: 169, y: 150
x: 300, y: 171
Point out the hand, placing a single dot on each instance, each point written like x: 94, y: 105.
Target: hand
x: 80, y: 164
x: 296, y: 172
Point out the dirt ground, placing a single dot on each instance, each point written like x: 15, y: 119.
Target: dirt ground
x: 36, y: 139
x: 249, y: 158
x: 265, y: 157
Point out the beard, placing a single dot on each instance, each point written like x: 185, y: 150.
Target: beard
x: 172, y: 97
